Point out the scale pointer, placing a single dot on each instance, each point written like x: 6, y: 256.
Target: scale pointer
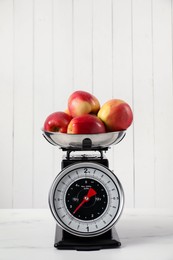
x: 91, y: 193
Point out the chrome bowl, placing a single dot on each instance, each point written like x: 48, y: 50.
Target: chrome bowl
x: 80, y: 141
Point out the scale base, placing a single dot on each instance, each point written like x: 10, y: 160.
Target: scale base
x: 66, y: 241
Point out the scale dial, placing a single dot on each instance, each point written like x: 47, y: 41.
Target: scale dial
x: 86, y: 199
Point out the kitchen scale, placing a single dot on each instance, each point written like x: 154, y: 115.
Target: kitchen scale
x: 86, y: 198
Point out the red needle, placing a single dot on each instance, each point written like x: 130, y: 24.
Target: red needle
x: 91, y: 193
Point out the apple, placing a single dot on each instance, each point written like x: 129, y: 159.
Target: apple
x: 67, y: 111
x: 86, y: 124
x: 57, y: 122
x: 116, y: 115
x: 81, y: 102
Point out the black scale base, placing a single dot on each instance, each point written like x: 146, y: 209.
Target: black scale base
x: 64, y: 240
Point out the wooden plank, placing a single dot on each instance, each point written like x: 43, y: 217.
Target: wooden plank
x: 143, y: 104
x: 62, y: 52
x: 102, y: 49
x: 163, y: 101
x: 123, y: 89
x: 43, y: 100
x: 23, y: 103
x: 6, y: 101
x: 82, y: 44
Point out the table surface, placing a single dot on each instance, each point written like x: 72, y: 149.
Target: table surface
x: 29, y: 234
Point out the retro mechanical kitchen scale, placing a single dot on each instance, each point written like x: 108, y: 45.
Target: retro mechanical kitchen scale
x: 86, y: 198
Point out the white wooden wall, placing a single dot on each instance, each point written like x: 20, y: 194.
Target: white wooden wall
x: 112, y: 48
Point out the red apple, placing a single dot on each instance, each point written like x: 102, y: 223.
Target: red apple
x: 81, y: 102
x: 116, y: 115
x: 57, y: 122
x: 86, y: 124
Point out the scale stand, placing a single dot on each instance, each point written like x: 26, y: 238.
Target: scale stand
x: 84, y: 166
x: 64, y: 240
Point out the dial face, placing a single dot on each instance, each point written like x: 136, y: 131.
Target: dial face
x: 86, y: 199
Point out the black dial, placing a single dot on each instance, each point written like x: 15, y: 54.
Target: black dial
x: 86, y: 199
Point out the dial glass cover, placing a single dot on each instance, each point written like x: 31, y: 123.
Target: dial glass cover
x: 86, y: 199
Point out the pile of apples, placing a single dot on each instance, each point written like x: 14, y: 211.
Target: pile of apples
x: 84, y: 115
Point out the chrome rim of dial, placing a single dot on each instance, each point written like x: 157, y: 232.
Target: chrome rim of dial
x: 86, y: 199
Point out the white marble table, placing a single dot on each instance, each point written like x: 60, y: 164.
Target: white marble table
x: 29, y: 234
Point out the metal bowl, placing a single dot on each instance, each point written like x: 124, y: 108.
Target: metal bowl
x: 81, y: 141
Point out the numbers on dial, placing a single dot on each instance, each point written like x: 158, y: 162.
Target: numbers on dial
x: 86, y: 170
